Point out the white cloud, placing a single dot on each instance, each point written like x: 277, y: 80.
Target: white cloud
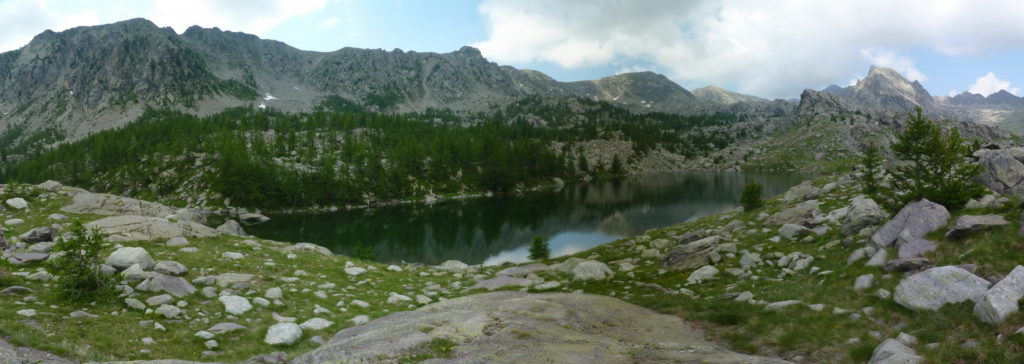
x: 20, y: 20
x: 890, y: 59
x: 990, y: 84
x: 249, y: 16
x: 767, y: 48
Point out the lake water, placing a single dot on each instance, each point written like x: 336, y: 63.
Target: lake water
x: 499, y: 229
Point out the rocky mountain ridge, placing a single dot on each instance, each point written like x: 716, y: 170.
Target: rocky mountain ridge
x: 87, y: 79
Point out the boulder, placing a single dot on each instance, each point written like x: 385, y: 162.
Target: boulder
x: 307, y: 247
x: 454, y: 266
x: 862, y: 212
x: 134, y: 228
x: 231, y: 227
x: 792, y: 231
x: 38, y: 235
x: 803, y: 213
x: 591, y: 270
x: 702, y: 274
x: 916, y: 219
x: 566, y: 266
x: 801, y: 192
x: 225, y: 327
x: 168, y: 311
x: 177, y: 241
x: 126, y: 256
x: 692, y: 236
x: 235, y: 305
x: 51, y: 186
x: 253, y: 218
x: 17, y: 203
x: 1002, y: 172
x: 1001, y: 300
x: 934, y: 288
x: 283, y: 334
x: 23, y: 258
x: 693, y: 255
x: 176, y: 286
x: 316, y: 324
x: 913, y: 247
x: 971, y: 223
x: 170, y: 267
x: 906, y: 264
x: 892, y: 351
x: 558, y: 327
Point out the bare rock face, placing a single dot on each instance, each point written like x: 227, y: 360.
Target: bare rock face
x: 1003, y: 172
x: 516, y: 327
x: 130, y: 228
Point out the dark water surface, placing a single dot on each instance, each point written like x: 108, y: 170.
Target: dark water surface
x: 498, y: 229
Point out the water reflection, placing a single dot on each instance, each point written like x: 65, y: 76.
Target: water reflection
x: 499, y: 229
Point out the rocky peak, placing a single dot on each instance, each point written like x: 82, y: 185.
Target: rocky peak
x: 820, y: 102
x: 886, y: 90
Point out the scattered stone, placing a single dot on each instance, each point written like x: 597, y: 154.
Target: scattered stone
x: 235, y: 305
x: 801, y: 192
x: 50, y: 186
x: 360, y: 303
x: 232, y: 255
x: 877, y: 259
x: 693, y: 255
x: 17, y: 203
x: 862, y: 212
x: 126, y: 256
x: 176, y: 286
x: 211, y: 344
x: 354, y: 271
x: 502, y: 282
x: 591, y: 270
x: 134, y: 303
x: 168, y: 311
x: 454, y: 266
x: 42, y: 275
x: 700, y: 275
x: 159, y: 300
x: 891, y: 351
x: 915, y: 247
x: 883, y: 294
x: 776, y: 306
x: 231, y: 227
x: 28, y: 312
x: 283, y: 334
x: 316, y: 324
x: 260, y: 301
x: 225, y: 327
x: 308, y: 247
x: 81, y: 314
x: 359, y: 320
x: 744, y: 297
x: 803, y: 213
x: 395, y: 298
x: 204, y: 335
x: 24, y: 258
x: 1002, y: 299
x: 253, y: 218
x: 273, y: 293
x: 971, y: 223
x: 792, y: 231
x: 177, y: 241
x: 547, y: 285
x: 38, y: 235
x: 170, y: 268
x: 906, y: 264
x: 15, y: 290
x: 934, y: 288
x: 863, y: 282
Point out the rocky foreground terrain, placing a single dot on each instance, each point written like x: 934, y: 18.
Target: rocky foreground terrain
x: 821, y: 274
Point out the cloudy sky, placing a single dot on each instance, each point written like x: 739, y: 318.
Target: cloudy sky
x: 766, y: 48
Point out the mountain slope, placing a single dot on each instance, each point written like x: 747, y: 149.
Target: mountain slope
x: 92, y: 78
x: 718, y: 95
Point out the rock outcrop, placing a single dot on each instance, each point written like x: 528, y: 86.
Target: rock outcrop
x: 131, y: 228
x: 515, y: 327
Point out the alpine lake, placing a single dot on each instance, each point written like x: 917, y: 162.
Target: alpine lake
x: 492, y: 230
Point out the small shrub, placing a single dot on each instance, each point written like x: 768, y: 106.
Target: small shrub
x: 77, y: 265
x: 872, y: 160
x: 539, y: 248
x: 364, y: 252
x: 751, y: 196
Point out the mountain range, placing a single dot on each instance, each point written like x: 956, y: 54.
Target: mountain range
x: 86, y: 79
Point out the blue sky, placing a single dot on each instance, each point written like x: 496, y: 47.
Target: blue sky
x: 770, y: 49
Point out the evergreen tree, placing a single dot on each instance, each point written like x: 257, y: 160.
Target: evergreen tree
x: 934, y: 168
x: 871, y: 161
x: 751, y: 196
x: 539, y: 248
x: 617, y: 166
x: 77, y: 265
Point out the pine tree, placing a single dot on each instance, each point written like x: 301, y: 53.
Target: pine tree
x: 751, y: 196
x: 934, y: 168
x: 872, y: 160
x: 539, y: 248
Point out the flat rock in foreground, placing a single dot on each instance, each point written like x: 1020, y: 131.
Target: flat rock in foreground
x: 517, y: 327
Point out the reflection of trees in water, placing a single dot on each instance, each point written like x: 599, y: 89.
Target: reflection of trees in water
x: 473, y: 230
